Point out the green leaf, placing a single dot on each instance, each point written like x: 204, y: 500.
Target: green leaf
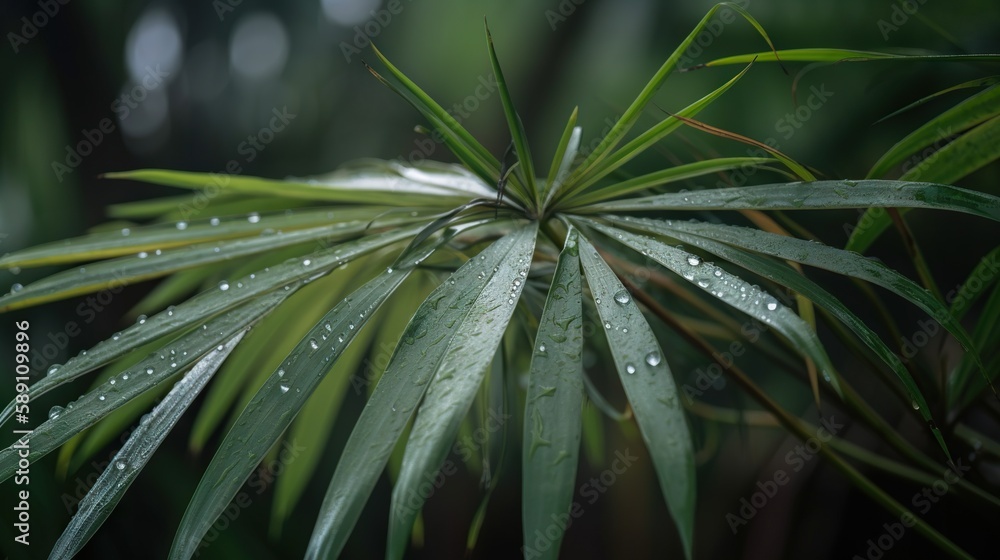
x: 133, y: 240
x: 669, y: 175
x: 109, y: 488
x: 458, y: 139
x: 566, y: 151
x: 631, y: 115
x: 731, y: 290
x: 844, y: 55
x: 828, y: 258
x: 553, y: 407
x: 158, y: 367
x: 113, y: 274
x: 650, y: 388
x: 368, y: 181
x: 520, y: 138
x: 816, y: 195
x: 196, y: 310
x: 580, y: 180
x: 313, y: 425
x: 414, y: 362
x: 969, y: 152
x: 276, y: 403
x: 985, y: 335
x: 786, y: 276
x: 983, y: 275
x: 978, y: 82
x: 456, y: 379
x: 970, y: 112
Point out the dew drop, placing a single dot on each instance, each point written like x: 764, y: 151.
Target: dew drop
x: 283, y: 387
x: 149, y: 371
x: 771, y: 306
x: 116, y: 336
x: 16, y: 288
x: 253, y: 218
x: 55, y: 411
x: 214, y: 221
x: 623, y: 297
x: 223, y: 285
x: 915, y: 405
x: 112, y: 382
x: 717, y: 273
x: 607, y: 325
x: 125, y: 377
x: 693, y: 260
x: 654, y: 358
x: 126, y: 232
x: 281, y: 372
x: 182, y: 226
x: 120, y: 465
x: 629, y: 368
x: 313, y: 344
x: 52, y: 370
x: 306, y: 262
x: 143, y: 254
x: 389, y: 270
x: 541, y: 348
x: 100, y: 397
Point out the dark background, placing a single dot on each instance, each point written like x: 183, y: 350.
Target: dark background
x: 225, y: 75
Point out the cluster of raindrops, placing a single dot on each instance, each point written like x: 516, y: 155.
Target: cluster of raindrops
x: 713, y: 279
